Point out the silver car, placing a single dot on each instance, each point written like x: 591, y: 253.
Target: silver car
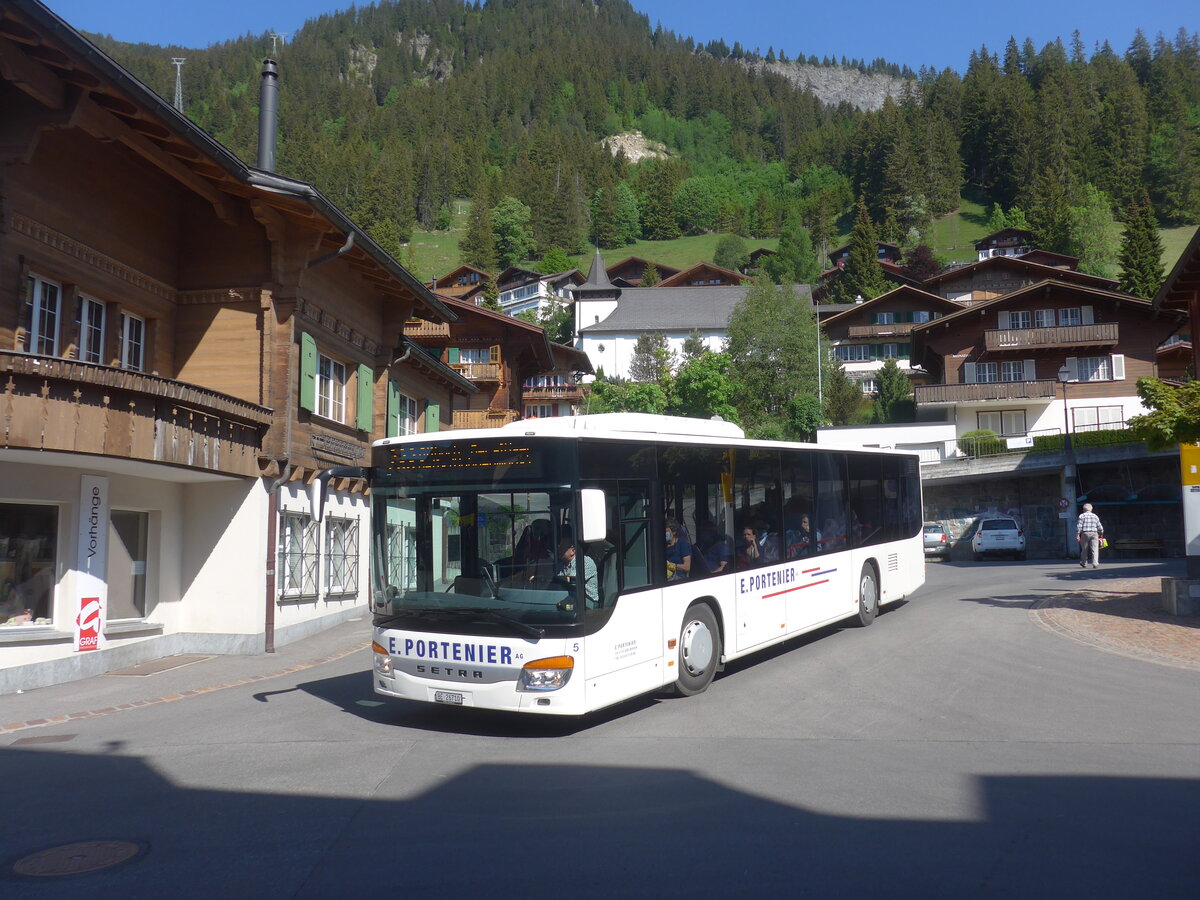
x: 937, y: 541
x: 998, y: 536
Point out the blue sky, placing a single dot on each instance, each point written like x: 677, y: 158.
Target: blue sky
x: 915, y: 33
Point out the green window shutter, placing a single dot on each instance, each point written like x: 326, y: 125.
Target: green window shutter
x: 452, y: 355
x: 433, y: 416
x: 392, y: 426
x: 366, y: 396
x: 308, y: 372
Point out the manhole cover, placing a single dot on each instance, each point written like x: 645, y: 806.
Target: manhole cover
x: 75, y: 859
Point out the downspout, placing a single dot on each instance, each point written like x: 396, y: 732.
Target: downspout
x: 272, y: 558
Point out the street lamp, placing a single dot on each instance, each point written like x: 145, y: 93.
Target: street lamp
x: 1064, y: 376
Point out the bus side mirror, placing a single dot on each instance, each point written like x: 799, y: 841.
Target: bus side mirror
x: 595, y: 523
x: 316, y: 488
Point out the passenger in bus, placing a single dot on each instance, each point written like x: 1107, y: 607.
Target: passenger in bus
x: 748, y: 554
x: 768, y: 544
x: 713, y: 547
x: 568, y: 569
x: 801, y: 541
x: 679, y: 553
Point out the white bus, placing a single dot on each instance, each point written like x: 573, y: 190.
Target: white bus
x: 562, y: 565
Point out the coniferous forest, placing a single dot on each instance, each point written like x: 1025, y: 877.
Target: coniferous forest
x: 395, y: 109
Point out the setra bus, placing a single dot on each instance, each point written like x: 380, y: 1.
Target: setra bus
x: 562, y: 565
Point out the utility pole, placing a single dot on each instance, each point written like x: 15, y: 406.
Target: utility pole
x: 178, y: 62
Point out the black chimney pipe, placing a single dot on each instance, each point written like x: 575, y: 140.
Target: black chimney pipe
x: 268, y: 114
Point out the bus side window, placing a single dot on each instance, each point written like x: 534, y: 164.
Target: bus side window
x: 635, y: 527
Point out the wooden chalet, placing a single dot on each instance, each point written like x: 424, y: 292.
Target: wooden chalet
x: 704, y: 275
x: 1005, y: 242
x: 501, y: 357
x: 463, y: 282
x: 884, y: 252
x: 1004, y: 355
x: 184, y: 341
x: 629, y: 271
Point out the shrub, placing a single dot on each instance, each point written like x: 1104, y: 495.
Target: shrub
x: 981, y: 443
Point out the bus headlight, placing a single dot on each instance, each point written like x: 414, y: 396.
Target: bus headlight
x: 383, y: 659
x: 547, y: 674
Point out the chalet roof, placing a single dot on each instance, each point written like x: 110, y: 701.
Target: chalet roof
x: 420, y: 358
x: 1002, y: 234
x: 517, y: 273
x: 664, y: 270
x: 1050, y: 258
x: 65, y: 72
x: 1183, y: 283
x: 678, y: 309
x: 569, y: 359
x: 762, y: 251
x: 938, y: 303
x: 680, y: 279
x: 878, y: 246
x: 1019, y: 262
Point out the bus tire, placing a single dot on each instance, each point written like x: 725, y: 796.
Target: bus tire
x: 868, y: 595
x: 699, y: 650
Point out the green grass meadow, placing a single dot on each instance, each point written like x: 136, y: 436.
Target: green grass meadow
x: 432, y: 254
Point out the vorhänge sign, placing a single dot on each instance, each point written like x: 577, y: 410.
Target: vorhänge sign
x: 91, y: 587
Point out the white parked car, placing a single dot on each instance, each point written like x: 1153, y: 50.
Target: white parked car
x: 998, y: 536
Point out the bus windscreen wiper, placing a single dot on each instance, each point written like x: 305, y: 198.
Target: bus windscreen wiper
x: 523, y: 627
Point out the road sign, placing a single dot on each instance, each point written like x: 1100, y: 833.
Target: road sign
x: 1063, y: 503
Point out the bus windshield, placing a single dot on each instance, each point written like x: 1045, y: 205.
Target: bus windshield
x: 496, y: 548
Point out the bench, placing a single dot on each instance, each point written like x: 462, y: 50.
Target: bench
x: 1134, y: 546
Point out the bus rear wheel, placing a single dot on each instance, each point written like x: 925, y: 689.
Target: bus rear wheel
x: 868, y: 596
x: 699, y: 650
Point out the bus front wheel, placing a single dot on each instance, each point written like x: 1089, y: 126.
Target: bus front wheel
x: 699, y: 650
x: 868, y: 595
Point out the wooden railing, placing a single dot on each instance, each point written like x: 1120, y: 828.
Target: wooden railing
x: 564, y: 392
x: 478, y: 371
x: 860, y: 331
x: 1103, y: 334
x: 483, y: 418
x: 77, y: 407
x: 995, y: 390
x: 421, y: 328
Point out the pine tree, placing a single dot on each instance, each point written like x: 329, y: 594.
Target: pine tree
x: 650, y: 276
x: 892, y: 403
x: 627, y: 218
x: 478, y: 245
x: 862, y: 276
x: 1141, y: 252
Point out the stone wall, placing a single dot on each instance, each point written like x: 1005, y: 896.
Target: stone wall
x: 1031, y: 501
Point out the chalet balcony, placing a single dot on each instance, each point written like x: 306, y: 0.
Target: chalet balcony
x: 935, y: 394
x: 1104, y: 334
x: 477, y: 371
x: 484, y: 418
x: 419, y: 328
x: 67, y: 406
x: 865, y: 331
x: 563, y: 393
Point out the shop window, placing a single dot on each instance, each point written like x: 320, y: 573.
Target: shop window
x: 28, y: 547
x: 126, y: 575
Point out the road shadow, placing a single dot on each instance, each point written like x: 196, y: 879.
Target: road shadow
x: 552, y: 830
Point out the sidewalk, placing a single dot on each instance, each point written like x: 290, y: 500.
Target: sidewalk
x: 1123, y: 616
x: 1111, y: 613
x: 175, y: 678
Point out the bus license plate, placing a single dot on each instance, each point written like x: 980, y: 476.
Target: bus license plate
x: 448, y: 697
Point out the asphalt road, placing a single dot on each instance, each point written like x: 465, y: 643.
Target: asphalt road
x: 952, y: 749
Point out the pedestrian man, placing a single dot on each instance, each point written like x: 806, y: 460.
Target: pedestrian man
x: 1089, y: 532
